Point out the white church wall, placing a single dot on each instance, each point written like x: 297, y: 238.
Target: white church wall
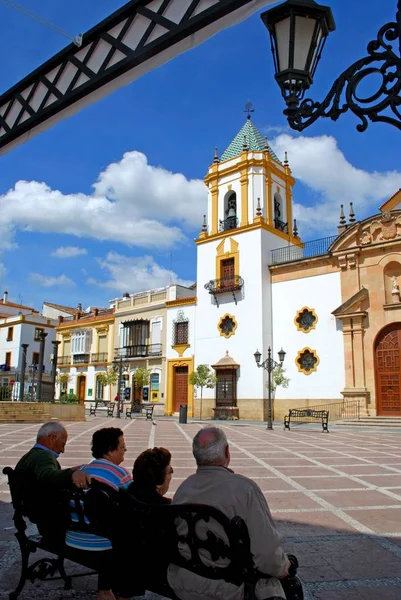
x: 251, y: 313
x: 323, y: 294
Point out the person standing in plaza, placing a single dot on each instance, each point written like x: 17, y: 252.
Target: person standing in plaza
x: 216, y: 485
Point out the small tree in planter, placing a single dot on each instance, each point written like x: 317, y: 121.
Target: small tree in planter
x: 203, y: 377
x: 63, y: 380
x: 141, y: 378
x: 109, y: 378
x: 278, y: 380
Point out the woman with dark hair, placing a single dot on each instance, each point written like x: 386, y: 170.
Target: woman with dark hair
x: 152, y: 475
x: 108, y: 449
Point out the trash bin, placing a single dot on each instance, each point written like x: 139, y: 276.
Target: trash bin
x: 183, y: 413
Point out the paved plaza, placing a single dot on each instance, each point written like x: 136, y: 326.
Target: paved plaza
x: 336, y: 498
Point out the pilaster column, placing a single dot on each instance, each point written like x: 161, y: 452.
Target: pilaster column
x: 214, y: 190
x: 244, y: 181
x: 268, y: 201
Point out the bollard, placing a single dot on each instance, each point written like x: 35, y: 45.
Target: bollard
x: 183, y: 413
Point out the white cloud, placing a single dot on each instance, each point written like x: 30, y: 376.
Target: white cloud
x: 69, y: 252
x: 61, y: 280
x: 133, y: 203
x: 135, y: 274
x: 320, y: 164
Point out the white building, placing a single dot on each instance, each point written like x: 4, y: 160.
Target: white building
x: 20, y: 325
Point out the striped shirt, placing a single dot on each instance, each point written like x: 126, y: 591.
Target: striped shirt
x: 116, y: 477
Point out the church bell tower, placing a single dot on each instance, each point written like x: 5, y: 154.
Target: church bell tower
x: 249, y: 214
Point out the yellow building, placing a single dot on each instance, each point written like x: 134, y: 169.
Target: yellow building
x: 86, y: 350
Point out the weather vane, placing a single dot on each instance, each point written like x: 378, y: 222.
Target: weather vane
x: 249, y: 109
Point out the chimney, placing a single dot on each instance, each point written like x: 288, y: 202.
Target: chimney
x: 95, y: 312
x: 126, y: 295
x: 5, y: 297
x: 60, y: 319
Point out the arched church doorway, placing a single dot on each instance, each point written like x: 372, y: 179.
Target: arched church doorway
x: 388, y: 371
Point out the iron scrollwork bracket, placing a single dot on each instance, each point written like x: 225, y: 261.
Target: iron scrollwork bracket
x: 387, y: 96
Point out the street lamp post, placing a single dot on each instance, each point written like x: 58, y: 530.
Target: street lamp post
x: 298, y: 31
x: 269, y: 365
x: 120, y: 367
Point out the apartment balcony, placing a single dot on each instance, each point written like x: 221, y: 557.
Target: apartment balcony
x: 81, y: 359
x: 64, y: 360
x: 139, y: 351
x: 100, y: 357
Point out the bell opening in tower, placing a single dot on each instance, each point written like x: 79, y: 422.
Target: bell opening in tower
x: 230, y: 212
x: 279, y: 213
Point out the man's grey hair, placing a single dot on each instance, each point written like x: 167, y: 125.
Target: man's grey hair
x: 209, y: 446
x: 50, y: 428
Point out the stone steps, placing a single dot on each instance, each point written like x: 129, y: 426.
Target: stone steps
x: 372, y: 422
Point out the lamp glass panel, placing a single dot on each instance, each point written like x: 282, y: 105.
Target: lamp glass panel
x: 283, y: 43
x: 304, y: 29
x: 317, y: 50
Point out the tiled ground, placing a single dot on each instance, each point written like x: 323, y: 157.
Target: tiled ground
x: 336, y: 497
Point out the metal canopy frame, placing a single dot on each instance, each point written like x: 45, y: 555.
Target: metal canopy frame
x: 140, y: 36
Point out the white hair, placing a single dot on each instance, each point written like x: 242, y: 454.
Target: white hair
x: 212, y: 452
x: 50, y: 428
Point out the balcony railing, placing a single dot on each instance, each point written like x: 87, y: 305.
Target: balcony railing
x: 80, y: 359
x: 281, y: 226
x: 227, y: 224
x: 64, y: 360
x: 139, y: 351
x: 298, y: 252
x: 100, y: 357
x: 227, y: 284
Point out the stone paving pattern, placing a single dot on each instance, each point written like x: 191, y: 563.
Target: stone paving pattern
x: 336, y: 498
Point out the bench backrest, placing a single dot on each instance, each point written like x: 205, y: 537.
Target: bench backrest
x: 185, y: 535
x: 91, y: 511
x: 308, y: 412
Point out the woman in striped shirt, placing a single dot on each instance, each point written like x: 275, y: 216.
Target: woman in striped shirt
x: 108, y: 449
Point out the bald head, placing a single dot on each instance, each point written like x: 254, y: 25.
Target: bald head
x: 210, y: 447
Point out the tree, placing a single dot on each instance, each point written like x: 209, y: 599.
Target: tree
x: 141, y: 378
x: 278, y: 378
x: 203, y: 377
x: 109, y: 378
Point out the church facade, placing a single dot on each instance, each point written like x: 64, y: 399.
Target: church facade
x: 333, y: 304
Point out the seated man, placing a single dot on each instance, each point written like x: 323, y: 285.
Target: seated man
x: 43, y: 477
x: 216, y: 485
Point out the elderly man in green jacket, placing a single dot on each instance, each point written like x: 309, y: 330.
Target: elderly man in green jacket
x: 43, y: 480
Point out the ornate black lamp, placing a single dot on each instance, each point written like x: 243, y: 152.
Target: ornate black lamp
x: 298, y: 31
x: 269, y: 365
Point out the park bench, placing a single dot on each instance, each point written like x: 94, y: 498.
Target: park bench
x: 307, y: 415
x: 172, y: 534
x: 103, y: 404
x: 139, y: 409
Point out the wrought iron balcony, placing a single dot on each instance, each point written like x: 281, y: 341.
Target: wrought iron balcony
x: 100, y: 357
x: 300, y: 251
x: 64, y: 360
x: 139, y: 351
x: 227, y: 284
x: 281, y: 226
x: 227, y: 224
x: 81, y: 359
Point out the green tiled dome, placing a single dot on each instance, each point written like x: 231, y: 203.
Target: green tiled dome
x: 254, y: 141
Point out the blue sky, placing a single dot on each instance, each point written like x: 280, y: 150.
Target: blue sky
x: 169, y: 122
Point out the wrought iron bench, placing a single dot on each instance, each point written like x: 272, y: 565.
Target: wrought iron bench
x: 94, y: 407
x: 163, y: 532
x: 140, y: 408
x: 110, y: 408
x: 307, y: 415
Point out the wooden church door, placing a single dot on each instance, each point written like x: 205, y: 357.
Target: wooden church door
x: 388, y: 371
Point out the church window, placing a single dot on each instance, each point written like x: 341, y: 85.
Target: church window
x: 305, y: 319
x: 227, y: 326
x: 227, y: 273
x: 307, y: 361
x: 180, y: 329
